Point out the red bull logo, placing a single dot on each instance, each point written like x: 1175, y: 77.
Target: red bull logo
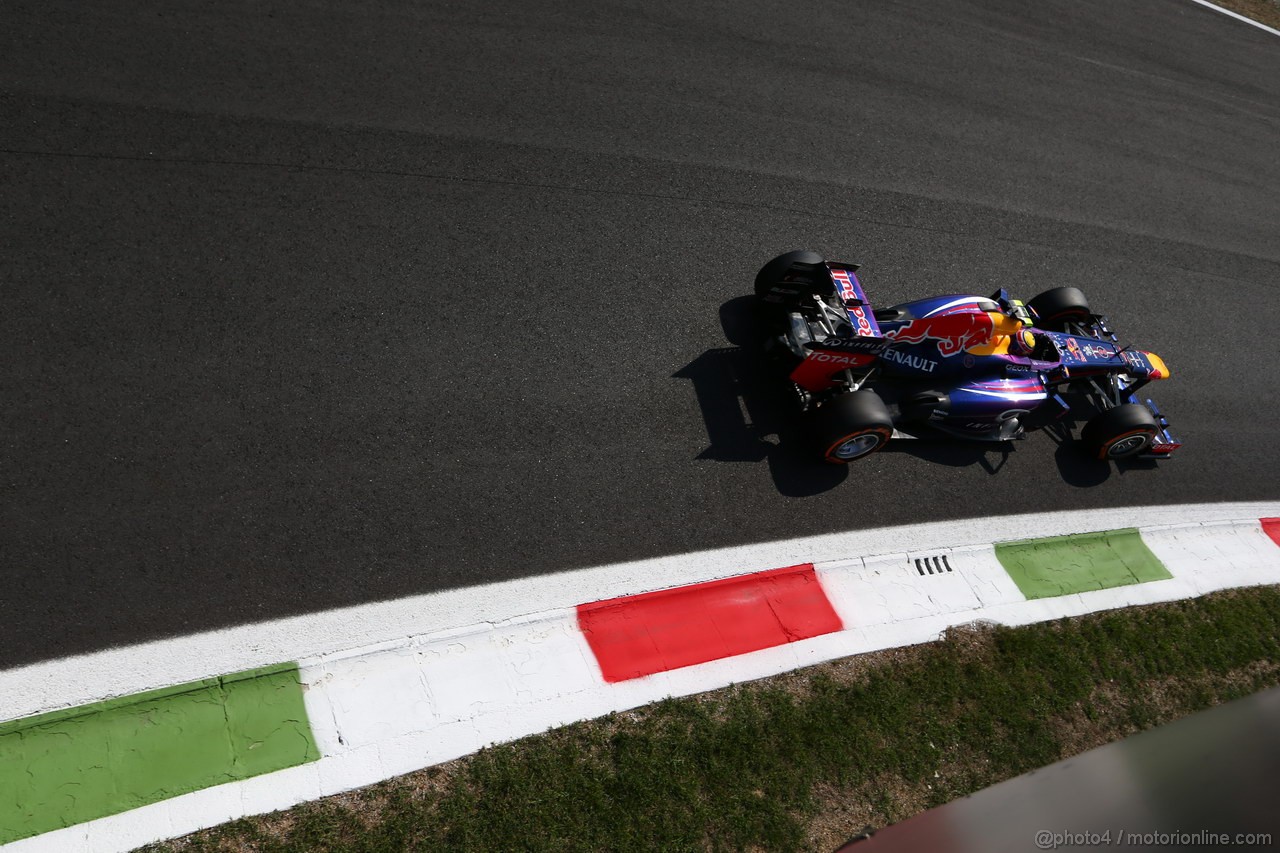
x: 953, y: 332
x: 851, y: 296
x: 845, y: 283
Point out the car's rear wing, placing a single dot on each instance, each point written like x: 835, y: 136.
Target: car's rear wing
x: 844, y: 280
x: 832, y: 355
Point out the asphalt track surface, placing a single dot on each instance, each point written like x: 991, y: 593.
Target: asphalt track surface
x: 309, y: 304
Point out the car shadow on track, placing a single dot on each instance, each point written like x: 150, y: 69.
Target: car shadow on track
x: 749, y: 415
x: 956, y: 454
x: 1081, y: 469
x: 748, y: 419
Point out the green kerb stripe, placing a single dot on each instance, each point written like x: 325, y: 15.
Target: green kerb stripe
x: 67, y: 767
x: 1061, y: 565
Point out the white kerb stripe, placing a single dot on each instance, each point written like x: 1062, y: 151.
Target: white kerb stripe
x: 122, y: 671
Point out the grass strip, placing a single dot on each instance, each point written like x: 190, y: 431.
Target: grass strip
x: 804, y: 760
x: 67, y: 767
x: 1061, y: 565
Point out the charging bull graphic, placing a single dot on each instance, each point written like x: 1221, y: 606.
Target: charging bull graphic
x: 953, y: 332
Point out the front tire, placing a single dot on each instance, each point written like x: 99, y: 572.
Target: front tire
x: 1055, y: 308
x: 851, y: 426
x: 1118, y: 433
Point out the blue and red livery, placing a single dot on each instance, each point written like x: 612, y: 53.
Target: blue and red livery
x: 988, y: 368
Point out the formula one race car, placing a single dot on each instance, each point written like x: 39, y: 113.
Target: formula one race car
x: 971, y: 367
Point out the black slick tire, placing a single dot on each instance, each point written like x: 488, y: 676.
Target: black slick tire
x: 1056, y: 308
x: 1117, y: 433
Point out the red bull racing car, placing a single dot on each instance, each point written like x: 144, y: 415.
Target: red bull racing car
x: 986, y: 368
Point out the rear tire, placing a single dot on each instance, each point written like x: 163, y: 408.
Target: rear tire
x: 851, y: 426
x: 778, y: 285
x: 1117, y: 433
x: 1056, y: 308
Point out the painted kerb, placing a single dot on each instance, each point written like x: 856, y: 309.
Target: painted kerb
x: 1062, y: 565
x: 74, y: 779
x: 1271, y: 527
x: 638, y: 635
x: 67, y: 767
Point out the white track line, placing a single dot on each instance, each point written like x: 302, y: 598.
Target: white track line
x: 1238, y: 17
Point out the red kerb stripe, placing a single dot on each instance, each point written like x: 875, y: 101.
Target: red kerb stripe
x: 1271, y: 527
x: 639, y: 635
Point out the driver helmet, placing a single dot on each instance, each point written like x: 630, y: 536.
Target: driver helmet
x: 1022, y: 342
